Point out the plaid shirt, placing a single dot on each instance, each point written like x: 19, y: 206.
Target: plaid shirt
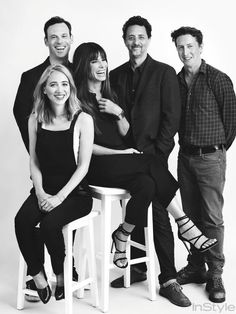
x: 208, y: 108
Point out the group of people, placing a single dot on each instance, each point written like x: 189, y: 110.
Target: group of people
x: 123, y: 124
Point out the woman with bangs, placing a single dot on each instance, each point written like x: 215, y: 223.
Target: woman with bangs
x: 60, y: 193
x: 115, y: 163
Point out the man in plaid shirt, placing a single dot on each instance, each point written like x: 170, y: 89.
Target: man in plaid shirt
x: 207, y: 130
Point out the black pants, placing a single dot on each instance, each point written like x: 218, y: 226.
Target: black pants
x: 51, y: 224
x: 143, y: 175
x: 163, y: 241
x: 148, y: 180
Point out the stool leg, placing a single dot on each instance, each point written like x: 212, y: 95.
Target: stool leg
x: 68, y: 271
x: 105, y: 248
x: 80, y: 243
x: 21, y: 282
x: 150, y: 252
x: 92, y: 264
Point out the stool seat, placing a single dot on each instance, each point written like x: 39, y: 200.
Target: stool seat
x: 101, y: 191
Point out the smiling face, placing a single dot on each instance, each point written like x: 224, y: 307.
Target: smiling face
x: 58, y: 41
x: 57, y: 88
x: 189, y: 50
x: 98, y: 69
x: 137, y: 41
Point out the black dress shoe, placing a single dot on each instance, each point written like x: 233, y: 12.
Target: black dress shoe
x: 135, y: 276
x: 31, y: 286
x: 216, y: 290
x: 59, y: 293
x: 188, y: 275
x: 44, y: 294
x: 174, y: 294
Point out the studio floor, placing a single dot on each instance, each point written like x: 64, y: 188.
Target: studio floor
x: 124, y: 301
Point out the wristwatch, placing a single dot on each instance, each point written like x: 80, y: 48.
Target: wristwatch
x: 120, y: 115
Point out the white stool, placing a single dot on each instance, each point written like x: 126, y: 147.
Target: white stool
x: 85, y: 227
x: 107, y: 196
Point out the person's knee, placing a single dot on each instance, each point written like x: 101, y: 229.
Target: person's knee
x: 145, y: 186
x: 20, y: 221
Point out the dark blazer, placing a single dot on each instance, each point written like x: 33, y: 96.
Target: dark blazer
x: 24, y: 98
x: 155, y: 115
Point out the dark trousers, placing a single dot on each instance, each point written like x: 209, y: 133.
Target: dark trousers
x: 202, y: 180
x: 139, y: 173
x: 163, y: 242
x: 143, y: 175
x: 51, y: 225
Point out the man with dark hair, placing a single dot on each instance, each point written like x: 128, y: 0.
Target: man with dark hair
x: 58, y: 39
x: 148, y: 92
x: 207, y: 130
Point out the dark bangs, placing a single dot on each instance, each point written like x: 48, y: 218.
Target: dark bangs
x: 95, y: 51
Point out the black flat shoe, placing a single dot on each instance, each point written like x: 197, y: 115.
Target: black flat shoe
x: 44, y: 294
x: 135, y: 276
x: 59, y: 293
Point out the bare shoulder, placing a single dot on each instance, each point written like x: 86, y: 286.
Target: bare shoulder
x: 84, y: 119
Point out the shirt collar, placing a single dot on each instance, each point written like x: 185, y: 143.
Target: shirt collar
x: 141, y: 67
x: 202, y: 69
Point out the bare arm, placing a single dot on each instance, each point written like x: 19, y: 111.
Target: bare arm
x: 101, y: 150
x: 106, y: 105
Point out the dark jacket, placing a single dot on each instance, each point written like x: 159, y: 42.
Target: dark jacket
x: 155, y: 115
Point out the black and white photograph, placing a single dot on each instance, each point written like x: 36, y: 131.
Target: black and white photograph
x: 118, y: 156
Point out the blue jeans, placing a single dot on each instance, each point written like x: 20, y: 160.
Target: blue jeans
x: 202, y: 180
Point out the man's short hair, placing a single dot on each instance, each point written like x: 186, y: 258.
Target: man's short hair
x: 187, y: 30
x: 137, y: 20
x: 55, y: 20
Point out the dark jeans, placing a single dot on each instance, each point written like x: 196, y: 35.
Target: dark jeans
x: 202, y: 180
x: 163, y: 241
x: 51, y: 225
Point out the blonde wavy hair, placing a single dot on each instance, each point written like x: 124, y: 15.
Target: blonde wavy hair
x: 42, y: 107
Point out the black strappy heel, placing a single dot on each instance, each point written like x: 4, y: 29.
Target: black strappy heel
x: 119, y: 255
x: 193, y: 240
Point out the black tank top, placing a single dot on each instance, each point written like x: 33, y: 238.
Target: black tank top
x: 55, y: 153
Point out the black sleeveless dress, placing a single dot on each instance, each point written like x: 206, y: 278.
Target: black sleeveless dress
x: 55, y: 153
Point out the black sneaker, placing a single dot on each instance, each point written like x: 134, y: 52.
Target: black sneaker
x: 135, y: 276
x: 31, y: 285
x: 173, y: 292
x: 188, y: 275
x: 216, y: 290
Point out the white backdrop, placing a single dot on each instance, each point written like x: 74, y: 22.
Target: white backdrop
x: 22, y: 47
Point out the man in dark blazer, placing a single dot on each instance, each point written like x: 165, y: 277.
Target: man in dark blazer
x: 148, y: 93
x: 58, y: 39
